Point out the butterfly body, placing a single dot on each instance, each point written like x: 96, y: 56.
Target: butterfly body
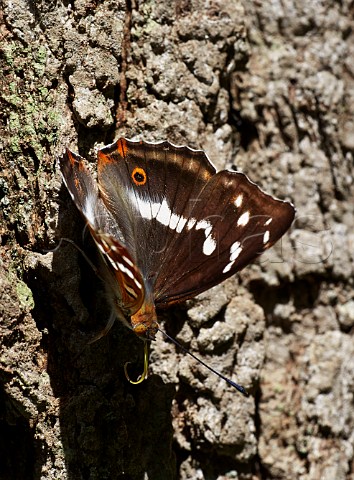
x: 168, y: 225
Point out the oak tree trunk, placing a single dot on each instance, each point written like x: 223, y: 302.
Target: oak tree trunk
x: 266, y: 86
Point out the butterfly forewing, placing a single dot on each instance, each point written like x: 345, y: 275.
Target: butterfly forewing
x: 126, y: 282
x: 154, y: 185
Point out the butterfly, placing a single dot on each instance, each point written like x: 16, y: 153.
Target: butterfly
x: 167, y: 225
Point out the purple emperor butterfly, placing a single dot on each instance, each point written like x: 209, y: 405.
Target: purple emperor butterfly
x: 168, y: 225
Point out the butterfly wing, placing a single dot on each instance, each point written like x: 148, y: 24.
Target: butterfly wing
x: 232, y: 223
x: 140, y: 182
x: 186, y: 226
x: 121, y: 276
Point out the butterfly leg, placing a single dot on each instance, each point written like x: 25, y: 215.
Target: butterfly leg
x: 103, y: 333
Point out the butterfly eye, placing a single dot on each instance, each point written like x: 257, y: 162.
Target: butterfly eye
x: 139, y: 176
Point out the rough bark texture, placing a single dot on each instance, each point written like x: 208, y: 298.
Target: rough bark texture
x: 270, y: 80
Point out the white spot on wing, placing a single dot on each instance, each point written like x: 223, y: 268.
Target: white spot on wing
x: 268, y: 222
x: 235, y: 251
x: 131, y: 291
x: 160, y: 211
x: 209, y: 245
x: 238, y: 201
x: 244, y: 219
x: 155, y: 207
x: 101, y: 248
x: 138, y: 284
x: 114, y: 265
x: 164, y: 215
x: 208, y: 231
x: 228, y: 267
x: 177, y: 222
x: 181, y: 224
x: 266, y: 236
x: 145, y: 208
x: 174, y: 221
x: 191, y: 223
x: 126, y: 259
x: 203, y: 224
x: 234, y: 247
x: 125, y: 270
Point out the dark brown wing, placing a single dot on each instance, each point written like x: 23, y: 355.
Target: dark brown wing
x: 187, y: 227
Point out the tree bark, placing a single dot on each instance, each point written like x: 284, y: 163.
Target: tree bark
x: 267, y: 86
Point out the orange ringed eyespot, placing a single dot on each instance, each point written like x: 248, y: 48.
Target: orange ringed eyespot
x: 139, y: 176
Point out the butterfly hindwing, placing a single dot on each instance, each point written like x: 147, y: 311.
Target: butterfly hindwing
x: 125, y: 282
x: 232, y: 223
x: 121, y: 275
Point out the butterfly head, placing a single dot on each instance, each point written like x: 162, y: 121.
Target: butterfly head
x: 144, y: 321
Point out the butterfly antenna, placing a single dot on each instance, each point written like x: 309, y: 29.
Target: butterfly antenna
x: 238, y: 387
